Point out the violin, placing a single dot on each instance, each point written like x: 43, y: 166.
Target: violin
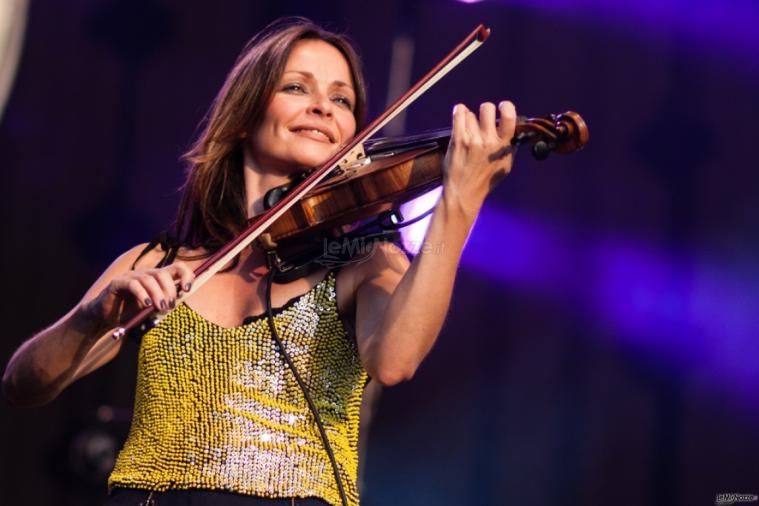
x: 366, y: 178
x: 391, y: 172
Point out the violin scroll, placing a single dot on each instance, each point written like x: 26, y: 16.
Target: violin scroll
x: 560, y: 133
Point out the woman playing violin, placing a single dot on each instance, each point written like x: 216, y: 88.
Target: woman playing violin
x: 218, y: 416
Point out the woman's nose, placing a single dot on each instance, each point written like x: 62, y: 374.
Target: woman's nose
x: 321, y: 105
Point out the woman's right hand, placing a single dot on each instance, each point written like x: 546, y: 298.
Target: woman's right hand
x: 133, y: 291
x: 80, y: 341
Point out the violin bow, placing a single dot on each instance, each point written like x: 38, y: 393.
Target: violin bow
x: 352, y: 152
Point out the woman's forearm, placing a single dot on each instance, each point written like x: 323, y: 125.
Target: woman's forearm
x: 400, y: 336
x: 417, y: 308
x: 46, y: 363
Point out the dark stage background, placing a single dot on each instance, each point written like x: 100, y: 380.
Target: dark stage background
x: 602, y: 343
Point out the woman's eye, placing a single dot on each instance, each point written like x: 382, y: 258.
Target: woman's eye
x: 344, y: 101
x: 294, y: 87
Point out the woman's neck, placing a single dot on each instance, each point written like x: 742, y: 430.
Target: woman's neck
x: 257, y: 182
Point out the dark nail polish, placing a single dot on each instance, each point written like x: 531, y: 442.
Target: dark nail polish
x: 148, y: 301
x: 163, y: 305
x: 187, y: 287
x: 172, y: 303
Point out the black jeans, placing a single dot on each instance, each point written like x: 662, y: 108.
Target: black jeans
x: 135, y: 497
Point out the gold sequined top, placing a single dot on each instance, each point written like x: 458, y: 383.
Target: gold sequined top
x: 218, y: 408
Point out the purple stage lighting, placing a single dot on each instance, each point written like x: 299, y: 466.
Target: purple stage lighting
x: 725, y: 28
x: 696, y: 311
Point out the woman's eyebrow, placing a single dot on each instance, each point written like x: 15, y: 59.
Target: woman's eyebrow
x: 310, y: 75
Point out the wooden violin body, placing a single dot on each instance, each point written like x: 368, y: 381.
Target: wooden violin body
x: 395, y: 171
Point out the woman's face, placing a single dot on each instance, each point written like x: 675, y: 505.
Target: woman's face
x: 310, y: 115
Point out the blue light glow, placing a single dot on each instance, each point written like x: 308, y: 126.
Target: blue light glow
x: 696, y: 311
x: 725, y: 27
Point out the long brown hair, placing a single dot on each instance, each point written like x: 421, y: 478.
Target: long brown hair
x: 212, y: 210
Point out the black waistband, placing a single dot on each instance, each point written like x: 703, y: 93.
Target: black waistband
x: 135, y: 497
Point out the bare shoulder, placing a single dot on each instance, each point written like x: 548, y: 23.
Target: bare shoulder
x: 140, y: 257
x: 130, y: 256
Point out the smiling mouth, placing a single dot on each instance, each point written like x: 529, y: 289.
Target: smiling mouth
x: 314, y: 133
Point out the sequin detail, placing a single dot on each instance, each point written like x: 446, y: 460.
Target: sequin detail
x: 217, y: 408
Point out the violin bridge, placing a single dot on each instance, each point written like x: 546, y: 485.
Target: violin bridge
x: 352, y: 163
x: 356, y: 156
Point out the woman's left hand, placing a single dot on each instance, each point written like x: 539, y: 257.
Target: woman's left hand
x: 479, y: 154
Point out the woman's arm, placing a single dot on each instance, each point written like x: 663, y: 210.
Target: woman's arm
x: 400, y: 309
x: 80, y: 342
